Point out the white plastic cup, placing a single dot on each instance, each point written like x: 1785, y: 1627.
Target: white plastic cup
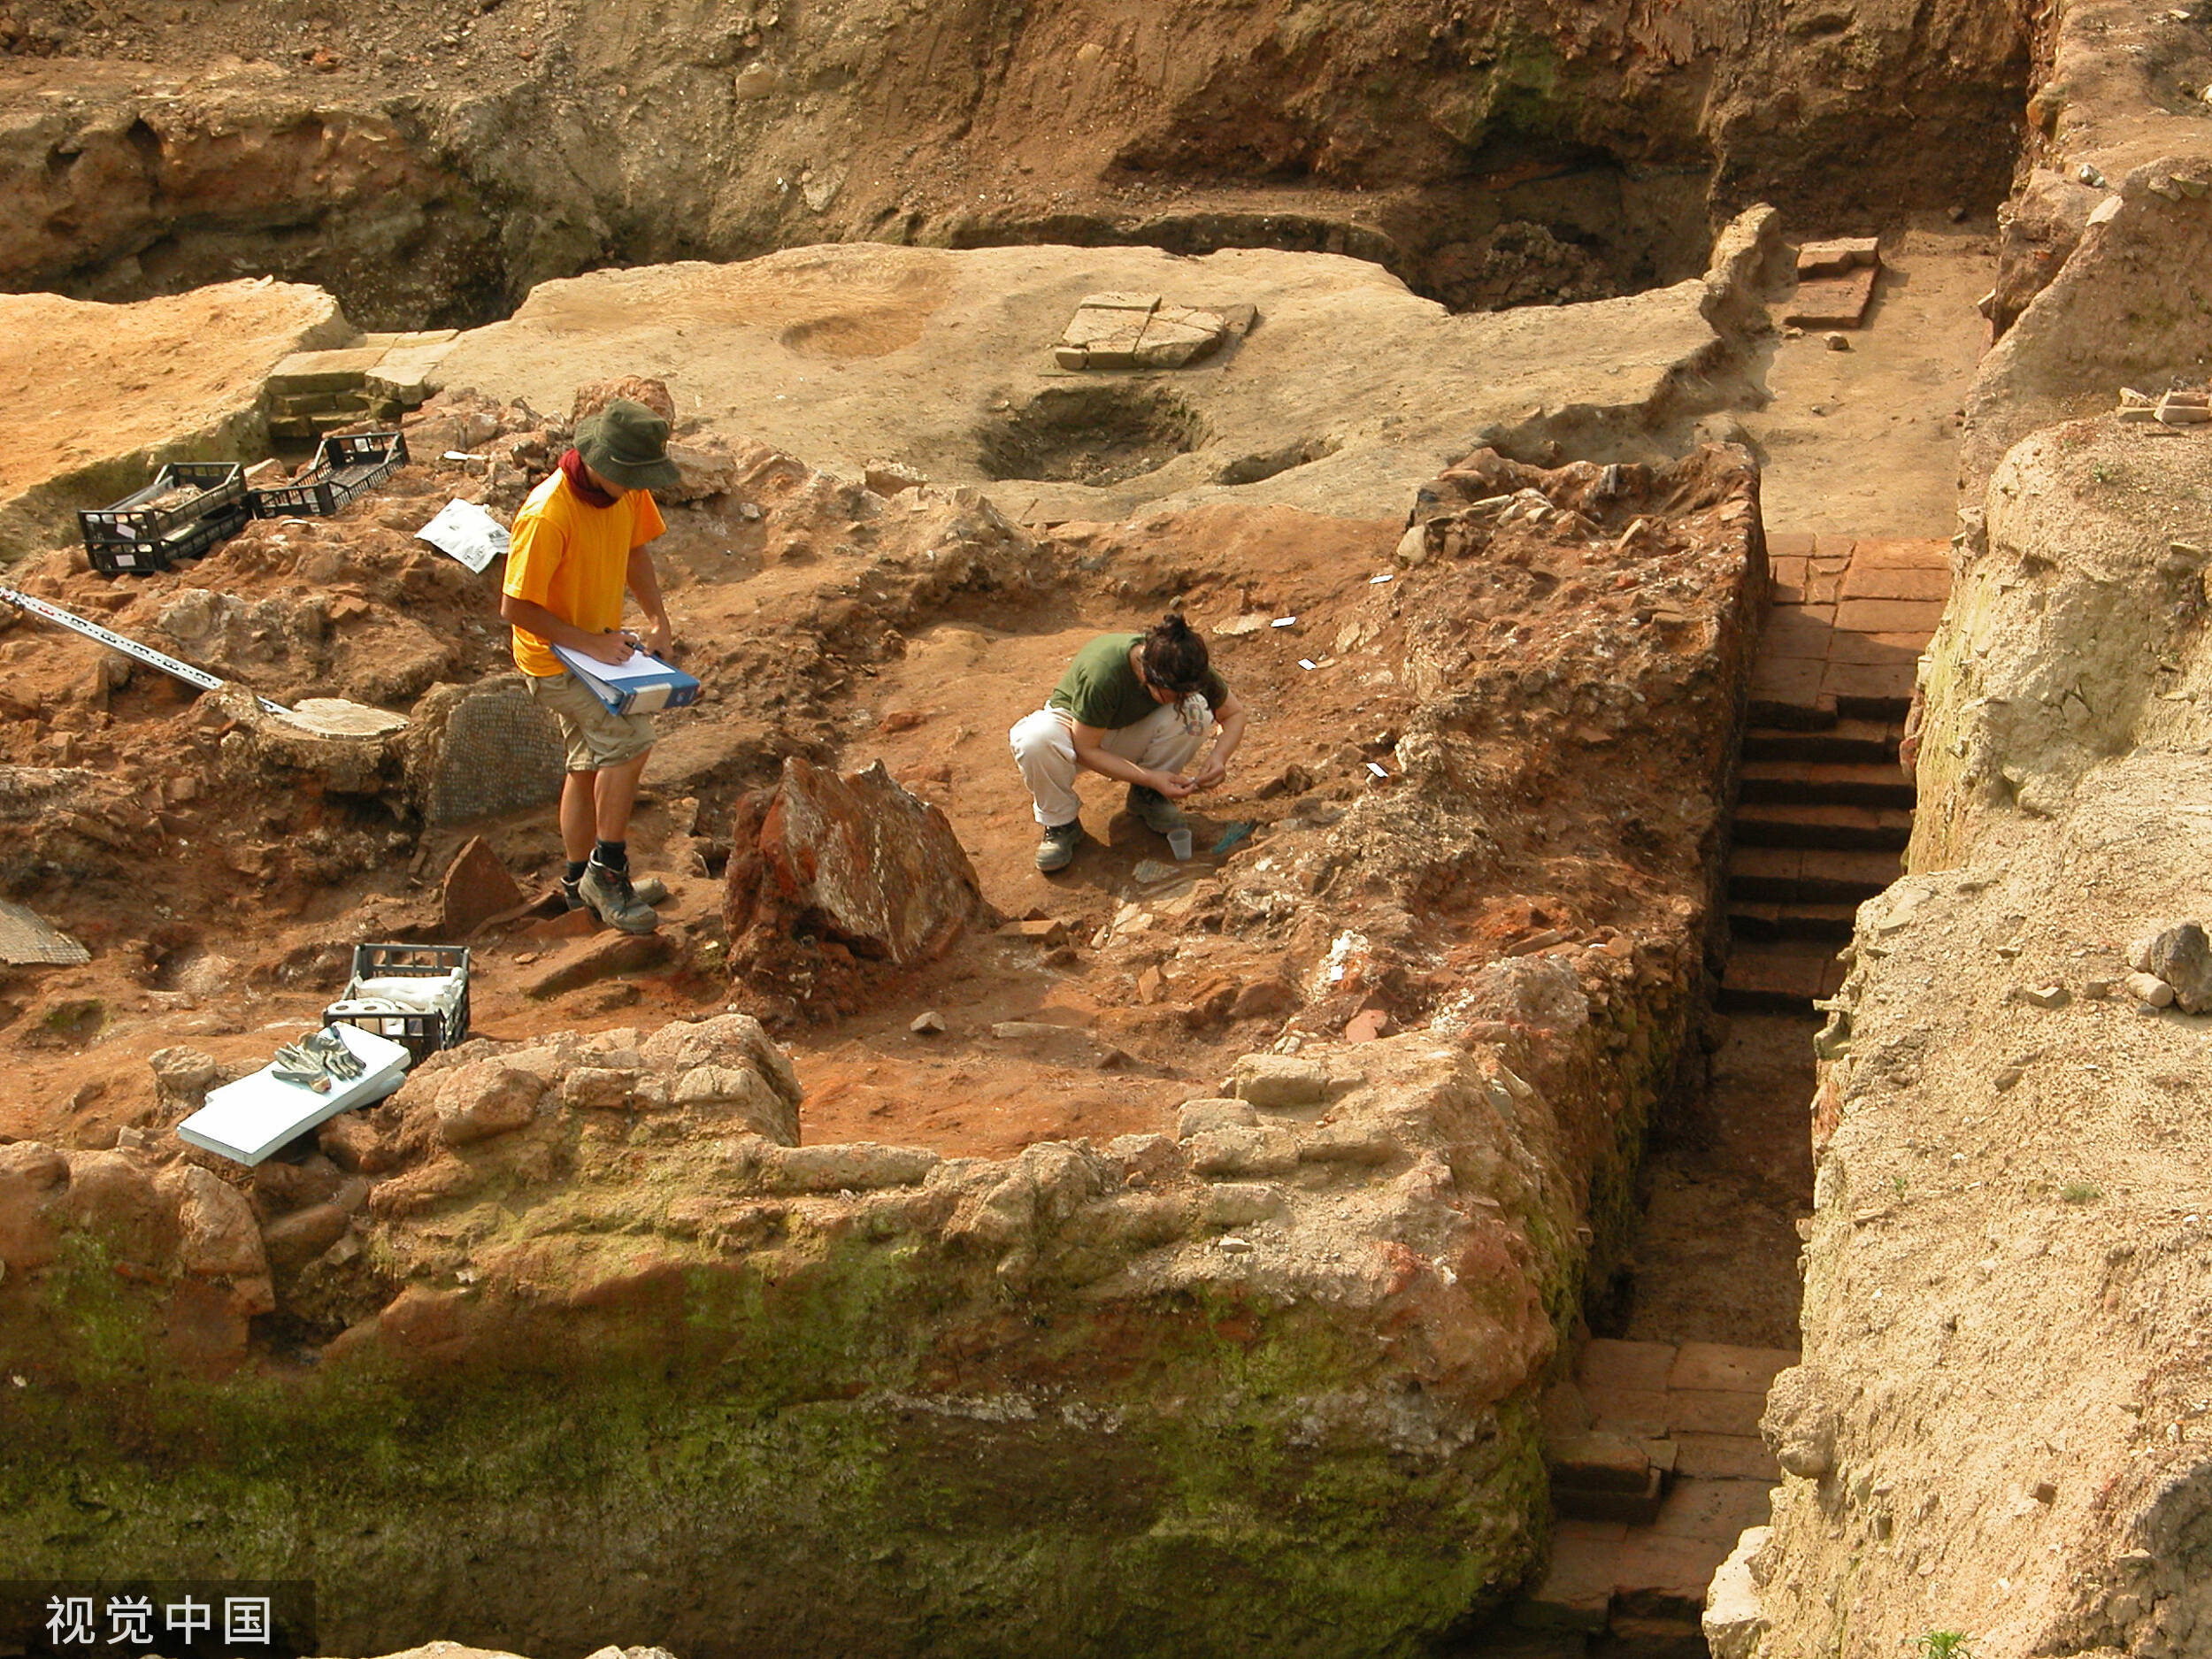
x: 1178, y: 843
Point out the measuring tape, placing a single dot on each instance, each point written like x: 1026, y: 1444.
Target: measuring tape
x: 114, y: 641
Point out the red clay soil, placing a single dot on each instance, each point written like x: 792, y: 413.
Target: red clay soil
x: 221, y: 896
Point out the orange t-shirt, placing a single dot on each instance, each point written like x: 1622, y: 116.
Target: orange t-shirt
x: 574, y: 559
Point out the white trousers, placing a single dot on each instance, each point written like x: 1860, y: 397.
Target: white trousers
x: 1167, y: 740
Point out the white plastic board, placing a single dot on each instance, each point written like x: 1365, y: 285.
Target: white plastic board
x: 251, y: 1118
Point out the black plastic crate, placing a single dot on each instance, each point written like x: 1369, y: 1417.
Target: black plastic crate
x: 344, y: 466
x: 145, y: 534
x: 423, y: 1034
x: 186, y: 542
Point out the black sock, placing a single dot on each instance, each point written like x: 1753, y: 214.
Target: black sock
x: 575, y: 871
x: 612, y: 855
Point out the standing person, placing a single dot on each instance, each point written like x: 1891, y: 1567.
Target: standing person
x: 578, y: 543
x: 1132, y: 706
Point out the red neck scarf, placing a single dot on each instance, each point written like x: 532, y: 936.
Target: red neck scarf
x: 580, y: 480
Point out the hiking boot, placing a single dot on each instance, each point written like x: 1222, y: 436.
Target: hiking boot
x: 652, y: 890
x: 608, y: 895
x: 1155, y: 810
x: 1057, y: 850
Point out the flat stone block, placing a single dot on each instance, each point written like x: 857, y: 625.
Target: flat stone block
x: 1867, y: 682
x: 1659, y: 1574
x: 1726, y: 1457
x: 1901, y: 553
x: 1771, y: 973
x: 1889, y: 615
x: 1789, y: 544
x: 323, y: 370
x: 1797, y: 631
x: 1714, y: 1410
x: 1117, y: 301
x: 1598, y: 1462
x: 1822, y: 587
x: 1786, y: 682
x: 1633, y: 1411
x: 1609, y: 1363
x: 1836, y: 254
x: 1714, y: 1511
x: 1883, y: 581
x: 1873, y: 650
x: 1832, y: 301
x: 1576, y: 1591
x: 1593, y: 1503
x: 411, y: 374
x: 1727, y: 1367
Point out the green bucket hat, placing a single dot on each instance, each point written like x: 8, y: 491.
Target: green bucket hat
x: 627, y: 444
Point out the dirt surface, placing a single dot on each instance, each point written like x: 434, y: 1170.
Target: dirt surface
x: 432, y: 160
x: 1864, y: 440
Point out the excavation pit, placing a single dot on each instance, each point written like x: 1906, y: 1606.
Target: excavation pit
x: 1093, y: 435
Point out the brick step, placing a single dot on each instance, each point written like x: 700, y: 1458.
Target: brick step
x: 1783, y: 975
x: 1843, y: 782
x: 1822, y: 825
x: 1801, y: 920
x: 1783, y: 712
x: 1647, y: 1583
x: 1788, y: 875
x: 1869, y: 741
x: 1884, y: 706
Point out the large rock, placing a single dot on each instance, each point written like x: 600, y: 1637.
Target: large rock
x: 477, y: 751
x: 831, y: 873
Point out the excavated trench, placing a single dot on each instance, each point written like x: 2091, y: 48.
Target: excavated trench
x: 436, y: 225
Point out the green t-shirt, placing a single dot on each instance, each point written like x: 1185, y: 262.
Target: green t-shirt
x: 1101, y: 689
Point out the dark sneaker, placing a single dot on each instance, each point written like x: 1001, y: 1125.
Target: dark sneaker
x: 1155, y: 810
x: 609, y: 895
x: 1057, y: 850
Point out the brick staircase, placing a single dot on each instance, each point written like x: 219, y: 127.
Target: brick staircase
x: 1825, y: 810
x: 1656, y: 1466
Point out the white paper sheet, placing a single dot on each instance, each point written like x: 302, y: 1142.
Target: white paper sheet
x: 466, y: 531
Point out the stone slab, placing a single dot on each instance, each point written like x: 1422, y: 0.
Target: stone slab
x: 1713, y: 1410
x: 1714, y: 1511
x: 1867, y: 687
x: 1598, y: 1462
x: 1726, y: 1366
x: 1800, y: 631
x: 1835, y: 254
x: 1889, y: 615
x: 1664, y: 1575
x: 1576, y: 1592
x: 476, y: 887
x: 1780, y: 684
x: 1606, y: 1362
x: 1832, y: 301
x: 1903, y: 553
x: 1882, y: 581
x: 339, y: 371
x: 1876, y: 650
x: 1726, y: 1457
x: 1631, y: 1411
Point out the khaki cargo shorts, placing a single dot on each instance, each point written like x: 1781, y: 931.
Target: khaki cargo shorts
x: 593, y: 735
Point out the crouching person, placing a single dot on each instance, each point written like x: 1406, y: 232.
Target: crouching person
x: 1135, y: 707
x: 578, y: 544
